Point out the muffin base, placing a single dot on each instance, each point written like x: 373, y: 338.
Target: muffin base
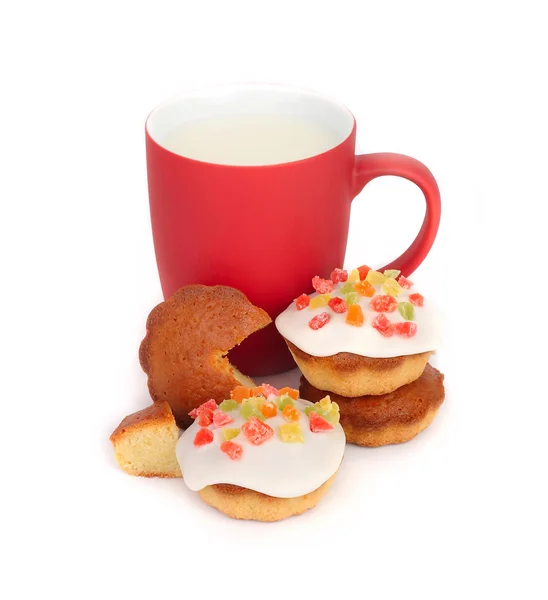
x: 242, y: 503
x: 392, y: 418
x: 352, y: 376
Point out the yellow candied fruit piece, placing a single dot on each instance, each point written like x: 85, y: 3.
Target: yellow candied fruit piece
x: 392, y: 287
x: 230, y: 433
x: 353, y: 276
x: 291, y: 433
x: 375, y: 277
x: 319, y: 301
x: 392, y: 273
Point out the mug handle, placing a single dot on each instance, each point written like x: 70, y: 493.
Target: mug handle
x: 370, y: 166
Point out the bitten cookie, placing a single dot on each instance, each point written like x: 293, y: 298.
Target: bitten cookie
x: 264, y: 454
x: 187, y: 338
x: 361, y: 333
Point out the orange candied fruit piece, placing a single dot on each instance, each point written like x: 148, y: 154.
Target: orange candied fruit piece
x: 294, y: 394
x: 240, y: 392
x: 290, y: 413
x: 364, y: 288
x: 258, y: 391
x: 269, y: 409
x: 354, y: 316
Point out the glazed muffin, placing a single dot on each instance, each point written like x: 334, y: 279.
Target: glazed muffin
x: 361, y: 333
x: 264, y: 454
x: 187, y: 339
x: 391, y: 418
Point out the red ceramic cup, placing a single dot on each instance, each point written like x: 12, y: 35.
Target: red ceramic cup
x: 265, y: 229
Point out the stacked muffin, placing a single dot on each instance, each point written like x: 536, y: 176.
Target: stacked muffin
x: 365, y: 337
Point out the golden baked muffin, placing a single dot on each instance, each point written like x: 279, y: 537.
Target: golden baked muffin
x: 187, y: 338
x: 361, y: 333
x: 263, y: 454
x: 390, y: 418
x: 144, y: 442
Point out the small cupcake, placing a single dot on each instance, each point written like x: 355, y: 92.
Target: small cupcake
x: 361, y: 333
x: 264, y: 454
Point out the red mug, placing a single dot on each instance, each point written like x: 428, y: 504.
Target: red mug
x: 271, y: 214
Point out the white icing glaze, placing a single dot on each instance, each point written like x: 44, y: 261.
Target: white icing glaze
x: 275, y: 468
x: 337, y: 336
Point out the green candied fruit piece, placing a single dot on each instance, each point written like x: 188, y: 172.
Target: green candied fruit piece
x: 392, y: 287
x: 392, y: 273
x: 229, y: 433
x: 375, y: 278
x: 352, y: 298
x: 283, y: 401
x: 291, y: 433
x: 348, y: 287
x: 249, y: 410
x: 228, y: 405
x: 407, y: 311
x: 326, y: 409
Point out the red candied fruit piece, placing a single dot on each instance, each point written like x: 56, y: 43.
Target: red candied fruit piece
x: 323, y: 286
x: 256, y: 431
x: 203, y: 437
x: 318, y: 423
x: 302, y: 301
x: 269, y: 390
x: 407, y: 329
x: 210, y: 405
x: 363, y: 271
x: 221, y: 418
x: 416, y: 299
x: 337, y: 305
x: 205, y: 418
x: 383, y: 304
x: 383, y: 325
x: 405, y: 283
x: 318, y: 321
x: 339, y: 276
x: 232, y: 449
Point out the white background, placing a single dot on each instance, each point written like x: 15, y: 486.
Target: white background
x: 460, y: 512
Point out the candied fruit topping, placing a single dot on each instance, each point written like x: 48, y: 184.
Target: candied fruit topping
x: 354, y: 276
x: 203, y: 437
x: 232, y: 449
x: 285, y: 400
x: 205, y: 418
x: 230, y: 433
x: 352, y: 298
x: 339, y: 276
x: 240, y: 392
x: 337, y: 305
x: 327, y: 409
x: 383, y: 304
x: 319, y: 321
x: 391, y: 273
x: 323, y: 286
x: 256, y: 431
x: 407, y: 311
x: 221, y: 418
x: 268, y: 410
x: 210, y: 406
x: 251, y: 407
x: 302, y: 301
x: 392, y: 287
x: 383, y: 325
x: 405, y: 283
x: 364, y: 288
x: 291, y: 433
x: 375, y: 278
x: 290, y: 413
x: 355, y: 315
x: 319, y: 301
x: 347, y: 287
x: 292, y: 393
x: 228, y: 405
x: 257, y: 391
x: 406, y: 329
x: 318, y: 423
x: 269, y: 390
x: 416, y: 299
x: 363, y: 271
